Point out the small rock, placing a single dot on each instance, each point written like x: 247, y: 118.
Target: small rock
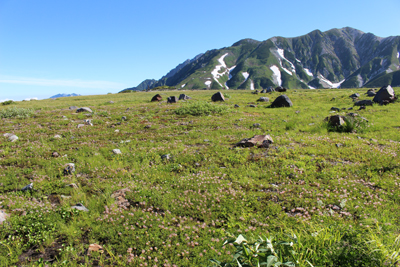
x: 8, y: 134
x: 364, y: 103
x: 79, y: 206
x: 206, y: 140
x: 73, y: 185
x: 156, y: 98
x: 335, y: 109
x: 297, y: 111
x: 111, y: 102
x: 95, y: 247
x: 335, y: 120
x: 252, y: 106
x: 350, y: 108
x: 69, y: 169
x: 362, y: 107
x: 281, y: 101
x: 184, y: 97
x: 116, y: 131
x: 13, y: 138
x: 57, y: 136
x: 73, y: 107
x: 147, y: 126
x: 356, y: 95
x: 84, y: 109
x: 3, y: 216
x: 172, y: 100
x: 256, y: 125
x: 27, y: 187
x: 257, y: 140
x: 55, y: 155
x: 117, y: 151
x: 236, y: 106
x: 123, y: 118
x: 165, y: 157
x: 339, y: 145
x: 218, y: 97
x: 263, y: 99
x: 88, y: 122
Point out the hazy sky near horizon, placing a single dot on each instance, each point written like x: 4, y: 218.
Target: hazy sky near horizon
x: 95, y: 47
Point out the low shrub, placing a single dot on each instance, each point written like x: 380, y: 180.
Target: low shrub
x: 15, y: 112
x: 9, y: 102
x: 201, y: 109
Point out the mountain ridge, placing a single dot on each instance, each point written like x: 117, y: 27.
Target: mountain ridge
x: 340, y: 57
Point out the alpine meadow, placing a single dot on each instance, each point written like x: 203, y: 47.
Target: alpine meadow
x: 130, y: 182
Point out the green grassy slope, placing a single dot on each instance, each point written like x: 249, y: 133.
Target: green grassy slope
x: 337, y: 192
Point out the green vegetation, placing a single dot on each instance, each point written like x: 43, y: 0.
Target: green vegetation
x: 15, y: 112
x: 8, y: 102
x: 180, y: 186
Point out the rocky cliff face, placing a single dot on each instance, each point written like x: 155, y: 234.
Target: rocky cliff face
x: 343, y: 58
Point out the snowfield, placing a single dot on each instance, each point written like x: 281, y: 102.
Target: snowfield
x: 277, y: 75
x: 215, y: 73
x: 308, y: 72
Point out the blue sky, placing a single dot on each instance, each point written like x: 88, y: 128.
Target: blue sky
x: 95, y: 47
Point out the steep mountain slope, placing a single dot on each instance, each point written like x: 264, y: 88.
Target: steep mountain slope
x: 343, y: 58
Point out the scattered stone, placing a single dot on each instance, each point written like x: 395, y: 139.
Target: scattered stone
x: 3, y: 216
x: 84, y: 109
x: 116, y: 131
x: 95, y: 247
x: 385, y: 93
x: 147, y: 126
x: 261, y: 141
x: 362, y: 107
x: 236, y: 106
x: 119, y: 196
x: 166, y: 157
x: 255, y: 92
x: 256, y: 125
x: 55, y: 155
x: 206, y: 140
x: 297, y: 111
x: 73, y: 185
x: 184, y: 97
x: 79, y: 206
x: 335, y: 109
x: 73, y: 107
x: 364, y: 103
x: 117, y: 151
x: 263, y: 99
x: 88, y: 122
x: 339, y: 145
x: 13, y: 138
x: 111, y: 102
x: 218, y: 97
x: 156, y: 98
x: 124, y: 118
x: 280, y: 89
x: 69, y: 169
x: 172, y: 100
x: 252, y: 106
x: 80, y: 126
x: 57, y: 136
x: 335, y: 120
x: 373, y: 140
x: 270, y: 89
x: 350, y: 108
x: 356, y: 95
x: 281, y: 101
x: 263, y: 91
x: 371, y: 92
x: 65, y: 197
x: 8, y: 134
x: 27, y: 187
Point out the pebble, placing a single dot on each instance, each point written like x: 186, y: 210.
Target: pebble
x: 69, y: 168
x: 116, y: 151
x: 79, y: 206
x: 27, y: 187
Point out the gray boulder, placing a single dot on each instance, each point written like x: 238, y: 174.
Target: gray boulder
x: 385, y: 93
x: 218, y: 97
x: 335, y: 120
x: 263, y: 99
x: 184, y: 97
x: 335, y: 109
x: 117, y: 151
x: 280, y: 89
x: 371, y: 92
x: 3, y: 216
x: 263, y: 91
x: 257, y: 140
x: 69, y: 168
x: 356, y: 95
x: 79, y: 206
x: 156, y: 98
x: 270, y: 89
x: 364, y: 103
x: 27, y: 187
x: 84, y: 109
x: 172, y: 99
x: 281, y: 101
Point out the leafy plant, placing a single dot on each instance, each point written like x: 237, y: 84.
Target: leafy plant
x: 9, y: 102
x: 262, y: 252
x: 15, y: 112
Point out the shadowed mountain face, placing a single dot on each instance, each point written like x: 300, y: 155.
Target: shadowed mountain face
x: 345, y: 58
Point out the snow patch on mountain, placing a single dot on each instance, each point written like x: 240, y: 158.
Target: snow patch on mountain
x: 251, y: 85
x: 245, y: 75
x: 277, y: 75
x: 215, y: 73
x: 298, y: 60
x: 281, y: 54
x: 183, y: 85
x: 329, y: 83
x: 208, y: 83
x: 308, y: 72
x: 398, y: 54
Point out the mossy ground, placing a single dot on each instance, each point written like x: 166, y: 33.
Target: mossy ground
x: 338, y: 192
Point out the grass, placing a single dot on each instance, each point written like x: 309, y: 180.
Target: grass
x: 340, y: 201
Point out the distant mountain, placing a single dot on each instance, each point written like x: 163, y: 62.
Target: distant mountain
x: 64, y: 95
x: 149, y: 83
x: 344, y: 58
